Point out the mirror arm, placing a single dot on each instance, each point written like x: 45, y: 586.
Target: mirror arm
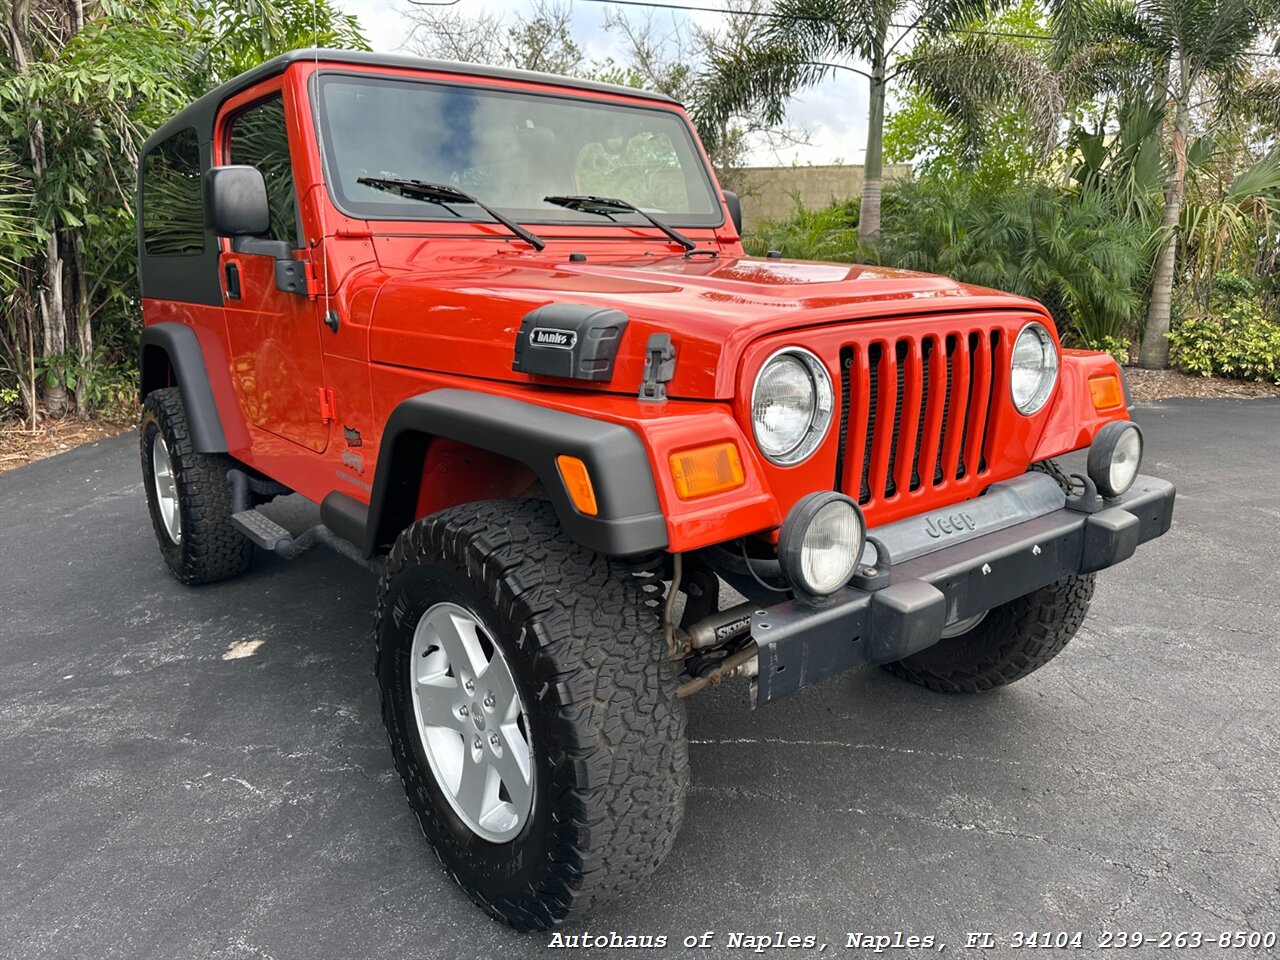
x: 259, y: 246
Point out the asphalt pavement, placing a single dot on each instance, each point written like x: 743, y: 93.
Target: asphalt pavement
x: 192, y: 773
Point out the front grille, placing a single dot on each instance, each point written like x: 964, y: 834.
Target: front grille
x: 914, y: 412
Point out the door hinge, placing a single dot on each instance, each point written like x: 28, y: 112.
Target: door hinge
x: 328, y: 411
x: 314, y: 285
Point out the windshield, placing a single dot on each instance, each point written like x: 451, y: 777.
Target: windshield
x: 507, y: 149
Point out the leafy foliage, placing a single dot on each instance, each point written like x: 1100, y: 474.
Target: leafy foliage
x: 974, y: 103
x: 81, y: 86
x: 801, y: 43
x: 1236, y: 339
x: 236, y: 35
x: 827, y: 234
x: 1072, y: 250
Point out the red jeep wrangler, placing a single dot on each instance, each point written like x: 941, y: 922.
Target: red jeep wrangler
x: 500, y: 327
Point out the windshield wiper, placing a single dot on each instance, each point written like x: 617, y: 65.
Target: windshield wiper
x: 444, y: 194
x: 607, y: 206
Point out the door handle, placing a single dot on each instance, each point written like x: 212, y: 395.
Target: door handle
x: 232, y: 272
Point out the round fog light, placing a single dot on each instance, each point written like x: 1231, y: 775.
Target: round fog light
x: 1115, y: 456
x: 821, y: 542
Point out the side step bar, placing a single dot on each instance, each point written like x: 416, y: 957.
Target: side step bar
x: 272, y: 537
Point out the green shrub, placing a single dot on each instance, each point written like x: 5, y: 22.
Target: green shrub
x: 827, y: 234
x: 1073, y: 249
x: 1118, y: 347
x: 1238, y: 340
x: 10, y: 398
x: 107, y: 383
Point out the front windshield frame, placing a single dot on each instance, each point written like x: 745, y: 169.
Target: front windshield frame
x: 456, y: 213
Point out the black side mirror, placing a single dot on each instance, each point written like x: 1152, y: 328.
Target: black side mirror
x: 236, y: 199
x: 735, y: 209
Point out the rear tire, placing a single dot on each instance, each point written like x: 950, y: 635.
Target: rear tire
x: 599, y: 721
x: 1013, y: 640
x: 189, y: 496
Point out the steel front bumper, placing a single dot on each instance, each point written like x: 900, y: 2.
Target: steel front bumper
x: 948, y: 565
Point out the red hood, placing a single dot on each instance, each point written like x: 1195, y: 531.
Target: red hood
x: 460, y: 315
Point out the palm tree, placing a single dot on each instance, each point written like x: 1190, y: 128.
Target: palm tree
x: 799, y: 43
x: 1194, y: 54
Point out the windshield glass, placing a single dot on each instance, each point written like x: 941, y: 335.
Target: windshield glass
x: 508, y: 150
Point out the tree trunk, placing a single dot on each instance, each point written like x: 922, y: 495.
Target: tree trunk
x: 53, y: 321
x: 84, y: 328
x: 1154, y: 354
x: 873, y: 165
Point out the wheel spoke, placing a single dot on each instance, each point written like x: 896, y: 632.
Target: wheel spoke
x: 436, y: 707
x: 473, y: 791
x: 496, y: 680
x: 514, y: 766
x: 458, y: 639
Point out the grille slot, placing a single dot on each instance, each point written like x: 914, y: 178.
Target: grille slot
x: 874, y: 356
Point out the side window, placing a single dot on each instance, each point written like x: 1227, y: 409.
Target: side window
x: 259, y: 139
x: 172, y: 205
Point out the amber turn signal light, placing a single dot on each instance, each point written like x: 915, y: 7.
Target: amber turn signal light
x: 577, y: 482
x: 703, y: 471
x: 1106, y: 392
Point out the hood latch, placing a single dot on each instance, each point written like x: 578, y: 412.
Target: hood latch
x: 659, y: 367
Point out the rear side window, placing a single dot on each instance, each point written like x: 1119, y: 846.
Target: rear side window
x: 172, y: 204
x: 259, y: 139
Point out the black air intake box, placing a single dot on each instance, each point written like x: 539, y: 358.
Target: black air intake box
x: 573, y: 340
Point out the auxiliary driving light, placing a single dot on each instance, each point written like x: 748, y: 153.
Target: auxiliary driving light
x: 821, y: 542
x: 1115, y: 456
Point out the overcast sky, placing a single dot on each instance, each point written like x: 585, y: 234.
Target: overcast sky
x: 835, y: 113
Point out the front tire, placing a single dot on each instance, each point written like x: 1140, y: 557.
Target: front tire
x: 494, y: 589
x: 1011, y: 641
x: 188, y: 495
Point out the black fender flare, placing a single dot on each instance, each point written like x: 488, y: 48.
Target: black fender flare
x: 629, y: 522
x: 175, y: 345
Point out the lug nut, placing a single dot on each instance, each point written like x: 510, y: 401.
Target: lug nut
x: 463, y: 711
x: 489, y: 701
x: 493, y: 741
x: 470, y: 685
x: 478, y: 743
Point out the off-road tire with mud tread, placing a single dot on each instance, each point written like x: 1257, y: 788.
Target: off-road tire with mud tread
x: 581, y: 634
x: 211, y: 548
x: 1013, y: 640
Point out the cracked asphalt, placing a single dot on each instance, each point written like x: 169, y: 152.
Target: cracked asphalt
x: 202, y: 773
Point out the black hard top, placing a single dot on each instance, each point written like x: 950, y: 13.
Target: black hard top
x: 200, y: 114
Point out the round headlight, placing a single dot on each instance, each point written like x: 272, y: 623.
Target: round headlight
x: 1114, y: 457
x: 791, y: 405
x: 1035, y: 368
x: 821, y: 541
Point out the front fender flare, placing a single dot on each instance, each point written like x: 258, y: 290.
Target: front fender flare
x: 630, y: 520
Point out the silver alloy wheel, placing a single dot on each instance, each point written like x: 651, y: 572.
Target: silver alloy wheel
x: 963, y: 626
x: 472, y: 722
x: 165, y: 483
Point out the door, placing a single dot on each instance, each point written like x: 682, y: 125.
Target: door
x: 277, y: 367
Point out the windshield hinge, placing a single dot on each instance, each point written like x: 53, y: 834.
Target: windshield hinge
x: 659, y: 367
